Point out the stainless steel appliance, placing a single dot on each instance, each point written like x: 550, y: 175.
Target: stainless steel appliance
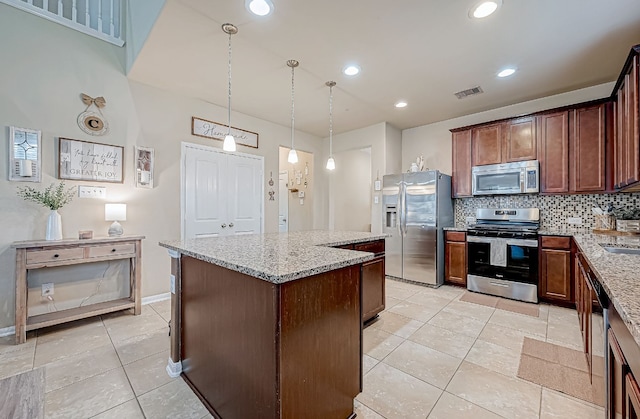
x: 416, y: 207
x: 508, y: 178
x: 502, y: 253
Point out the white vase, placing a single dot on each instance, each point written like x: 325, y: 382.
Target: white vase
x: 54, y: 226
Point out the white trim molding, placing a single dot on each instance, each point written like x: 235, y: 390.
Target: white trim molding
x: 7, y: 331
x: 156, y: 298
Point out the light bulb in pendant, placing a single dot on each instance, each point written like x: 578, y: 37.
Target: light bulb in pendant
x: 229, y: 143
x: 331, y: 164
x: 293, y: 157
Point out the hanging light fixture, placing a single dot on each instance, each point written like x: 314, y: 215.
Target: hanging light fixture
x: 331, y: 164
x: 229, y: 142
x: 293, y: 156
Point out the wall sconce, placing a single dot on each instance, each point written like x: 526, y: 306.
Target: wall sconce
x: 115, y: 213
x: 24, y: 156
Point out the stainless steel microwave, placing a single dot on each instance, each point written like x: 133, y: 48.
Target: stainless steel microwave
x: 508, y: 178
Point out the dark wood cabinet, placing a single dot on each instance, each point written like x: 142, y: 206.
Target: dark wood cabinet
x: 455, y: 270
x: 587, y: 149
x: 627, y: 135
x: 487, y: 143
x: 632, y: 397
x: 553, y: 144
x: 616, y: 375
x: 556, y: 281
x: 521, y: 140
x: 461, y: 173
x: 584, y: 304
x: 373, y: 279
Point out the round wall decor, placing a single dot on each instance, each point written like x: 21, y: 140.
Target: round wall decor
x: 92, y: 123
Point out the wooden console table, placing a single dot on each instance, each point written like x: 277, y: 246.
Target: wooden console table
x: 36, y: 254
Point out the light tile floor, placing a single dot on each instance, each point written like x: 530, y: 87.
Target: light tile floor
x: 429, y: 355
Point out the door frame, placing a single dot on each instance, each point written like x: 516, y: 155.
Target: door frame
x: 286, y: 196
x: 183, y: 193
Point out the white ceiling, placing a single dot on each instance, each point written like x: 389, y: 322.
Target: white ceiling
x: 421, y: 51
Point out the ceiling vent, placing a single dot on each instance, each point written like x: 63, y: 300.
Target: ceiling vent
x: 469, y: 92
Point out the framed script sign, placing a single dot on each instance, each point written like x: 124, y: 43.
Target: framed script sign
x: 209, y: 129
x: 84, y: 160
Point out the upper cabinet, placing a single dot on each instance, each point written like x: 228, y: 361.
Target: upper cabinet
x: 461, y: 173
x: 553, y: 131
x: 487, y: 144
x: 587, y: 148
x: 627, y: 136
x: 520, y: 142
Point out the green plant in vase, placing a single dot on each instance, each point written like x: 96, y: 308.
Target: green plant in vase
x: 53, y: 197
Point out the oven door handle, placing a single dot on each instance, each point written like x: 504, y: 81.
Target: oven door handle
x: 522, y: 242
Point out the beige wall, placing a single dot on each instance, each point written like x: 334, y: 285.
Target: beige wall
x: 384, y: 141
x: 300, y: 216
x: 351, y: 186
x: 433, y: 141
x: 43, y: 94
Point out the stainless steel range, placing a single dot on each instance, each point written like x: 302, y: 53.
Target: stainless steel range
x: 502, y: 251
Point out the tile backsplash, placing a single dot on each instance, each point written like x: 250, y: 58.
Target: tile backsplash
x: 554, y: 209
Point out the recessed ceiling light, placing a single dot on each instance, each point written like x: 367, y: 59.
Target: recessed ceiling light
x: 401, y: 104
x: 351, y: 70
x: 506, y: 72
x: 484, y: 8
x: 259, y: 7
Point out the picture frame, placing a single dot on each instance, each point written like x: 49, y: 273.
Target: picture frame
x: 25, y: 155
x: 209, y: 129
x: 86, y: 160
x: 144, y: 159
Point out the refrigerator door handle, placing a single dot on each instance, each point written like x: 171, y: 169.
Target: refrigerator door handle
x: 399, y: 209
x: 404, y: 209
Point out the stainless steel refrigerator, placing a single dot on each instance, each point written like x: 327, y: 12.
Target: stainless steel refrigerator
x: 416, y: 208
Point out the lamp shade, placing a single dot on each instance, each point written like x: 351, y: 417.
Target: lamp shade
x: 293, y: 156
x: 115, y: 212
x: 229, y: 143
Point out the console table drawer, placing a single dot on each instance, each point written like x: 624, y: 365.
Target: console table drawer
x: 35, y: 257
x: 112, y: 249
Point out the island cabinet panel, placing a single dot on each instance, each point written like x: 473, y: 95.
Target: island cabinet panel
x: 487, y: 143
x: 520, y: 144
x: 624, y: 368
x: 229, y: 351
x: 373, y: 292
x: 255, y: 349
x: 553, y: 143
x: 632, y: 392
x: 455, y: 259
x: 461, y: 173
x: 320, y: 354
x: 587, y: 149
x: 616, y: 376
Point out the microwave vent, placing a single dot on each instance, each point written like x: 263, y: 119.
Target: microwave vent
x: 469, y: 92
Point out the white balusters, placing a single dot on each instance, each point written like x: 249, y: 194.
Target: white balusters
x: 87, y: 17
x: 99, y: 15
x: 45, y: 5
x: 112, y: 28
x: 74, y: 11
x: 60, y: 9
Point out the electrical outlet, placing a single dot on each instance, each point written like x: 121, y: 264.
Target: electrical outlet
x: 376, y: 199
x: 470, y: 220
x: 172, y: 286
x: 47, y: 289
x: 99, y: 192
x: 574, y: 220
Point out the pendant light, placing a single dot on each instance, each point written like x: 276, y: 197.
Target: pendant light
x: 229, y: 142
x: 293, y: 156
x: 331, y: 164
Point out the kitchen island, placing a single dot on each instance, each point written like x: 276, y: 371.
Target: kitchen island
x: 270, y: 325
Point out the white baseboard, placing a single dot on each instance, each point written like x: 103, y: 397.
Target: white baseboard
x: 155, y: 298
x: 8, y: 331
x: 11, y: 330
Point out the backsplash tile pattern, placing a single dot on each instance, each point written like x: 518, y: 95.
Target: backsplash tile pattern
x: 554, y: 209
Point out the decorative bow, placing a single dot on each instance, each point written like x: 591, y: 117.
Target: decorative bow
x: 100, y: 102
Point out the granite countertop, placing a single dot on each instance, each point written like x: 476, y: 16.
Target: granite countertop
x: 618, y: 274
x: 278, y: 257
x: 564, y: 231
x: 455, y: 228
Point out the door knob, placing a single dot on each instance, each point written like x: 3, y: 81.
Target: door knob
x: 230, y: 225
x: 284, y: 220
x: 223, y: 226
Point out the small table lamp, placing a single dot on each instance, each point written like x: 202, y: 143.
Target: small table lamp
x: 115, y: 213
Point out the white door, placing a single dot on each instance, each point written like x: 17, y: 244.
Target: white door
x: 283, y: 202
x: 245, y: 195
x: 221, y: 193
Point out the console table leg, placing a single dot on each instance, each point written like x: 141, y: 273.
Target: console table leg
x: 21, y: 296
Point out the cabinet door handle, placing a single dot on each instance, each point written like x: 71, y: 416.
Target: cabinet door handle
x: 230, y: 224
x: 223, y: 226
x: 56, y: 255
x: 113, y: 250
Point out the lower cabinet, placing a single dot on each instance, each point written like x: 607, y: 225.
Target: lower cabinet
x: 616, y: 373
x: 622, y: 370
x: 373, y: 279
x: 632, y: 397
x: 455, y: 261
x: 556, y: 281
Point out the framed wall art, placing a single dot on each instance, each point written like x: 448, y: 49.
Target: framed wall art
x: 144, y: 160
x: 209, y: 129
x: 84, y: 160
x: 25, y: 154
